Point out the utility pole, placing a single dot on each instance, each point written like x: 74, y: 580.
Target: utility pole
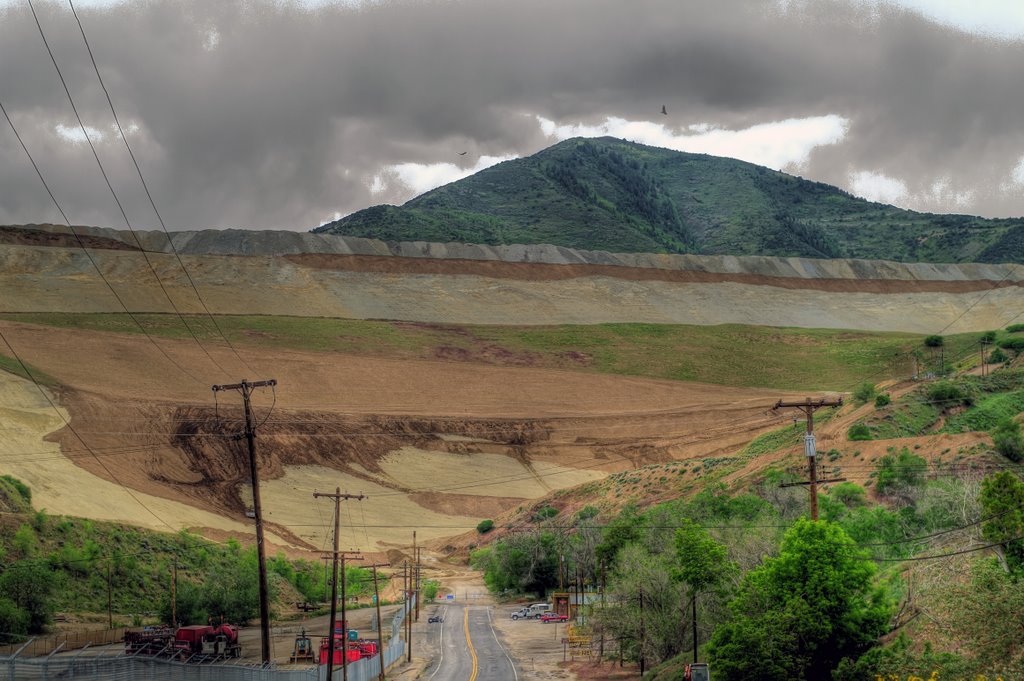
x: 407, y: 583
x: 808, y: 407
x: 380, y: 626
x: 984, y: 369
x: 110, y: 608
x: 337, y: 496
x: 416, y: 584
x: 174, y: 594
x: 246, y: 388
x: 643, y: 634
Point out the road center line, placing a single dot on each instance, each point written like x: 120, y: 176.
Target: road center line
x: 469, y: 642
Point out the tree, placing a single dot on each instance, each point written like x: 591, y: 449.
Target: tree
x: 13, y: 621
x: 29, y: 585
x: 864, y: 392
x: 703, y: 564
x: 623, y: 529
x: 1002, y: 501
x: 800, y: 613
x: 934, y: 341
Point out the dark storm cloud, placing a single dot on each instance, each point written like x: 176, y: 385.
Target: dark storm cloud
x: 260, y: 114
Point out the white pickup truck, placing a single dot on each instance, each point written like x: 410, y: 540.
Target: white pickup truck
x: 531, y: 611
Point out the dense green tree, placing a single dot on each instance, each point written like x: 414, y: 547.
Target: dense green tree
x: 800, y: 613
x: 29, y: 585
x: 702, y: 564
x: 1002, y: 500
x: 13, y: 621
x: 623, y: 529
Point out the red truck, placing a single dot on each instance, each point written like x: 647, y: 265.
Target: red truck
x: 553, y: 617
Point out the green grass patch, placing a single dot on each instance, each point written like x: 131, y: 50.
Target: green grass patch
x: 731, y: 354
x: 987, y: 413
x: 13, y: 366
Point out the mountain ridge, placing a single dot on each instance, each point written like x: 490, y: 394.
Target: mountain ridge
x: 605, y: 194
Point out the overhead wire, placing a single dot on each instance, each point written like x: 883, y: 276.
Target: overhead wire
x: 149, y: 195
x: 89, y: 255
x: 72, y: 429
x: 113, y: 193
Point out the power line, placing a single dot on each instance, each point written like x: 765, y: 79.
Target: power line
x: 950, y: 554
x: 149, y: 195
x: 71, y: 428
x: 113, y: 193
x: 88, y: 255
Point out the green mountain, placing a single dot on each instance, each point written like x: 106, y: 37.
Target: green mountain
x: 612, y: 195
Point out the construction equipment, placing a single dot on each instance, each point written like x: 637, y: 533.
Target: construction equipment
x: 303, y: 648
x: 198, y: 643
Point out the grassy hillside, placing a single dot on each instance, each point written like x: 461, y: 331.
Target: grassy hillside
x: 736, y: 355
x: 608, y: 194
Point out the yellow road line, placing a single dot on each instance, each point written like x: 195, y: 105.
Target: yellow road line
x: 469, y: 642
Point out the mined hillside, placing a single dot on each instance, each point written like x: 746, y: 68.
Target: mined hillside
x: 613, y: 195
x: 285, y: 273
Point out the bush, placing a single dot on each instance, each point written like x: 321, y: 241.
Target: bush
x: 882, y: 400
x: 858, y: 431
x: 946, y: 393
x: 934, y: 341
x: 1008, y: 440
x: 997, y: 356
x: 864, y: 392
x: 902, y: 470
x: 544, y: 512
x: 485, y: 526
x: 1015, y: 328
x: 13, y: 621
x: 1012, y: 344
x: 430, y: 588
x: 23, y: 491
x: 988, y: 337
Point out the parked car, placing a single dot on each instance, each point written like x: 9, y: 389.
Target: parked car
x: 553, y: 617
x: 520, y: 614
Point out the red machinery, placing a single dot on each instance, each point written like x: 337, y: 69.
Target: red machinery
x: 348, y: 647
x: 205, y: 641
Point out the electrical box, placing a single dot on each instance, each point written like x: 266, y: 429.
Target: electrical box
x: 809, y: 445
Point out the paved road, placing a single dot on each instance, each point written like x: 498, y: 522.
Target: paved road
x: 469, y: 649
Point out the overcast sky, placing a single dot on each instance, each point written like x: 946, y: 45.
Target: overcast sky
x: 259, y: 114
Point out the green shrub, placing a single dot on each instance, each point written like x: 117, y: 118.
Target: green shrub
x: 1008, y: 440
x: 864, y: 392
x: 1015, y: 328
x: 485, y: 526
x: 858, y: 431
x: 903, y: 469
x: 588, y: 512
x: 1012, y: 344
x: 544, y: 513
x: 988, y: 337
x: 934, y: 341
x: 946, y: 393
x: 19, y: 486
x: 997, y: 356
x: 430, y: 588
x: 882, y: 400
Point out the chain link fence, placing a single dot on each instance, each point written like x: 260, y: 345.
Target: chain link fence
x: 115, y: 665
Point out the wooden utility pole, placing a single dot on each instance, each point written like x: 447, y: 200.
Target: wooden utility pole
x: 380, y: 623
x: 984, y: 369
x: 416, y: 584
x: 110, y: 606
x: 337, y: 496
x: 407, y: 583
x: 808, y: 407
x: 246, y: 388
x: 174, y: 593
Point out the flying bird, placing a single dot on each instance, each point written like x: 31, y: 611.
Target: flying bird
x: 663, y: 111
x: 463, y: 153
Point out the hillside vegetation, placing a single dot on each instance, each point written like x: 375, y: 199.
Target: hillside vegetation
x: 734, y: 355
x: 609, y: 194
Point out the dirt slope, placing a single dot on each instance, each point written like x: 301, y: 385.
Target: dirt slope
x: 439, y: 445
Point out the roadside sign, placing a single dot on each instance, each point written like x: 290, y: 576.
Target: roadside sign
x: 450, y: 597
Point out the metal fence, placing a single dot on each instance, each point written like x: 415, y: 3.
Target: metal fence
x: 110, y: 665
x: 44, y: 645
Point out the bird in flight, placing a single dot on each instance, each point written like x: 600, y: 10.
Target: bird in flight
x: 663, y: 111
x: 462, y: 153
